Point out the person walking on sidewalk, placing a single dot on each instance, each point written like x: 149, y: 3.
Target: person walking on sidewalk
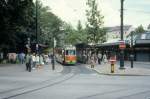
x: 33, y: 61
x: 28, y: 60
x: 105, y: 59
x: 41, y: 62
x: 92, y: 61
x: 37, y: 58
x: 99, y: 56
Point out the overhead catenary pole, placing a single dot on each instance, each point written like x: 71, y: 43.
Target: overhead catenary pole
x: 36, y: 30
x: 121, y: 35
x: 53, y: 58
x: 132, y: 55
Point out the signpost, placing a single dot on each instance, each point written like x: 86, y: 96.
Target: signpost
x: 53, y: 58
x: 122, y: 45
x: 121, y: 29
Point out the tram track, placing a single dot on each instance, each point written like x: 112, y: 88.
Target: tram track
x: 103, y: 93
x: 136, y: 94
x: 67, y: 74
x: 115, y: 91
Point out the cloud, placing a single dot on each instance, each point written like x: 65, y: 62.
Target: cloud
x: 110, y: 12
x: 68, y: 10
x: 73, y: 10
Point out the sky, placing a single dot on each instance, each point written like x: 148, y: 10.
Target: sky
x: 136, y: 12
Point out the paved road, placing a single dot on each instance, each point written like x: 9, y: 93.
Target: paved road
x: 79, y: 82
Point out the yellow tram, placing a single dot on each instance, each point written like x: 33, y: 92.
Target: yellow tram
x: 66, y: 55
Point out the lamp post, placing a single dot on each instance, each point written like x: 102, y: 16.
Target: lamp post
x: 53, y: 57
x: 54, y: 45
x: 121, y: 29
x: 132, y: 56
x: 36, y: 30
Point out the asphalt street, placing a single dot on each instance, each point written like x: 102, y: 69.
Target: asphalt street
x: 73, y: 82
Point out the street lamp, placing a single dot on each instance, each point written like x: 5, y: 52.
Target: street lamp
x: 36, y: 19
x: 122, y: 51
x: 53, y: 57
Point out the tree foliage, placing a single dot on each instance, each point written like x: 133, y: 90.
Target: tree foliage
x: 74, y: 36
x: 18, y: 22
x: 48, y: 25
x: 139, y: 29
x: 96, y: 32
x: 16, y: 18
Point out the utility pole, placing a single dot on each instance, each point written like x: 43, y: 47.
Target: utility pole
x: 132, y: 55
x: 122, y: 32
x: 36, y: 31
x: 53, y: 58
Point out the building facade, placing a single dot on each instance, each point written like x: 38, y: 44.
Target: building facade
x: 113, y: 33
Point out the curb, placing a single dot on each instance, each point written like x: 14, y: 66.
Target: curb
x: 110, y: 74
x: 115, y: 74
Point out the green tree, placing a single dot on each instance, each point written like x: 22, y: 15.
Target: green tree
x: 82, y: 34
x: 139, y: 29
x: 96, y: 33
x: 79, y: 26
x: 73, y: 36
x: 48, y: 25
x: 16, y: 16
x: 69, y: 36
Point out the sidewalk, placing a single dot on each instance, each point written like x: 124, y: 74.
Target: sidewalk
x: 105, y: 69
x: 20, y: 69
x: 15, y: 79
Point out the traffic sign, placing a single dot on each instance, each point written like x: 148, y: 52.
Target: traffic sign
x: 122, y: 45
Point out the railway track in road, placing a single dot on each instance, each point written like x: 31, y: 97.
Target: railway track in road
x: 67, y: 74
x: 136, y: 94
x: 107, y: 93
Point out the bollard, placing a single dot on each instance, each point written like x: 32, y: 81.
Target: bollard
x: 112, y: 62
x: 131, y: 59
x: 112, y: 68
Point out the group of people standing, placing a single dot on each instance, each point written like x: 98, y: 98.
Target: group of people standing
x: 34, y: 61
x: 97, y: 58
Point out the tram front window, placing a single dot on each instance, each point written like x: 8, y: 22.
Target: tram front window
x: 70, y: 52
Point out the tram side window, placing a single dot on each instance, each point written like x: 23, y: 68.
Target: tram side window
x: 70, y: 52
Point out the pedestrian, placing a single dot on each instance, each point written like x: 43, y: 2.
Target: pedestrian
x: 46, y: 59
x: 28, y: 60
x: 23, y: 58
x: 84, y: 57
x: 33, y: 61
x: 37, y: 60
x: 41, y: 62
x: 1, y: 55
x: 92, y: 61
x: 99, y: 56
x: 105, y: 58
